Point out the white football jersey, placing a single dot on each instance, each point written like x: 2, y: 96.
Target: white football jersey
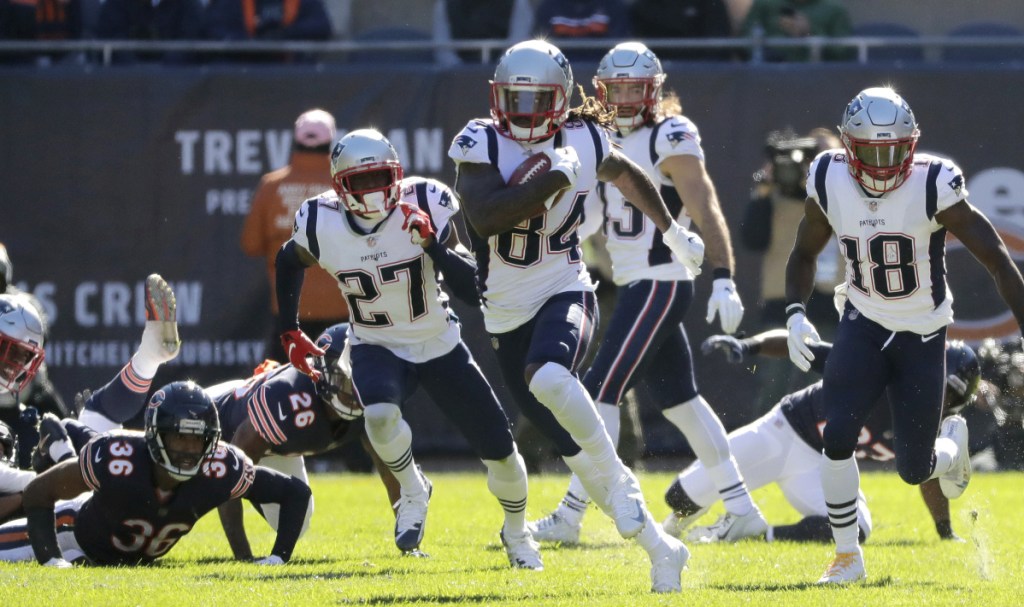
x: 390, y: 284
x: 894, y: 248
x: 520, y: 269
x: 634, y: 243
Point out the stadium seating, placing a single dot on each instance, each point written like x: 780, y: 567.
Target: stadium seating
x: 989, y: 54
x: 890, y: 53
x: 393, y: 56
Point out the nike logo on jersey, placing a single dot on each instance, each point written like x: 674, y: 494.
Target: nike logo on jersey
x: 280, y: 413
x: 928, y: 338
x: 98, y: 457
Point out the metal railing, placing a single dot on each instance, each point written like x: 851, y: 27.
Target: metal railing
x: 755, y: 48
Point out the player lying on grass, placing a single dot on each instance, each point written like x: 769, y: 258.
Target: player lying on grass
x: 133, y: 495
x: 784, y: 447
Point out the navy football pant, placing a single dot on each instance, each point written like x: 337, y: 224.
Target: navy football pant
x: 645, y: 342
x: 866, y: 359
x: 453, y: 381
x: 561, y: 333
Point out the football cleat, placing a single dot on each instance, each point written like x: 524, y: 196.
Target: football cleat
x: 627, y: 505
x: 412, y: 517
x: 523, y: 551
x: 731, y: 528
x: 555, y: 528
x: 667, y: 569
x: 53, y: 441
x: 675, y: 524
x: 954, y: 482
x: 845, y: 568
x: 162, y: 307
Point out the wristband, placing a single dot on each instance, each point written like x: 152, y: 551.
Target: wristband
x: 721, y: 273
x: 795, y: 308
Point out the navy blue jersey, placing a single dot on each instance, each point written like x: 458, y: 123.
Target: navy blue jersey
x: 286, y: 412
x: 128, y: 520
x: 805, y: 411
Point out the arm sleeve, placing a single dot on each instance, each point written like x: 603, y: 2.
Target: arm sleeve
x: 290, y: 275
x: 42, y: 533
x: 271, y: 487
x: 459, y: 272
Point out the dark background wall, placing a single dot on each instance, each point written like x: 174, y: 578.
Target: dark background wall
x: 108, y: 175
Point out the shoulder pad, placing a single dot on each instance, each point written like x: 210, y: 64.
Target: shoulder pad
x: 470, y: 145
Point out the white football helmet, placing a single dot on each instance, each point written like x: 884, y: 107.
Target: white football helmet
x: 629, y: 79
x: 880, y: 134
x: 366, y: 173
x: 531, y: 91
x: 21, y: 343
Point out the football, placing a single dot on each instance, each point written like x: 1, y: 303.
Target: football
x: 535, y: 165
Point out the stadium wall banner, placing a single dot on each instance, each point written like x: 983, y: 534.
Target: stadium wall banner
x: 111, y: 174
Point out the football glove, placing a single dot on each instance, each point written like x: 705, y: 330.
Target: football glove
x: 417, y: 224
x: 734, y: 349
x: 273, y: 559
x: 54, y: 445
x: 687, y: 246
x: 567, y: 161
x: 725, y: 302
x: 801, y: 332
x: 298, y: 347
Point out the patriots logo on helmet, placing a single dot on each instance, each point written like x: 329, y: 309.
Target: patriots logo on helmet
x: 337, y: 150
x: 854, y: 107
x: 676, y: 137
x: 957, y: 184
x: 465, y: 143
x: 5, y: 307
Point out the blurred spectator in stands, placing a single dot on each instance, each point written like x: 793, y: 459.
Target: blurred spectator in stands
x: 272, y: 215
x: 22, y: 411
x: 800, y: 19
x: 507, y: 20
x: 151, y: 20
x: 266, y: 20
x: 49, y: 20
x: 559, y: 20
x: 769, y: 227
x: 683, y: 19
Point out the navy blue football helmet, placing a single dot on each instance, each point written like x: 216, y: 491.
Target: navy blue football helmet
x: 181, y: 407
x: 335, y: 384
x: 963, y: 374
x: 1003, y: 366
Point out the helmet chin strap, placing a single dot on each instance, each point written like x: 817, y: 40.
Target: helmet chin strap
x: 538, y: 132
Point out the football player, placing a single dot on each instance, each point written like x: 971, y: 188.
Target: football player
x: 538, y: 299
x: 889, y: 209
x: 143, y: 491
x: 784, y: 447
x: 279, y: 415
x: 385, y: 237
x: 645, y: 342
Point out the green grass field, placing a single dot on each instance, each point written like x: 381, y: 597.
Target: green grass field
x: 348, y: 557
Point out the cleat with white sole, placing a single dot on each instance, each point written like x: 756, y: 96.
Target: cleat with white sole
x: 522, y: 550
x: 162, y: 308
x: 731, y: 528
x: 675, y: 524
x: 667, y: 569
x: 954, y: 482
x: 845, y: 568
x: 411, y: 519
x: 555, y: 528
x: 627, y: 505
